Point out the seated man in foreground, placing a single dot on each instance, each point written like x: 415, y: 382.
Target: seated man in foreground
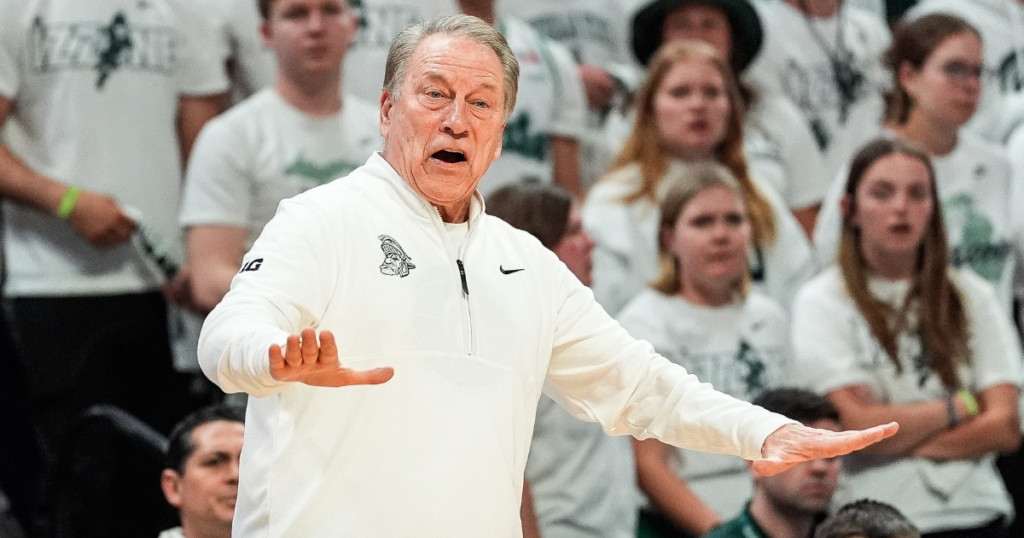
x: 201, y: 478
x: 789, y: 504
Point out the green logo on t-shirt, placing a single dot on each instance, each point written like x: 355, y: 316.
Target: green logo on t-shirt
x: 106, y: 48
x: 754, y: 376
x: 319, y: 174
x: 977, y: 248
x: 518, y: 139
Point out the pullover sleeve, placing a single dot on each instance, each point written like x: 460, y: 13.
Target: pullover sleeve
x: 601, y: 374
x: 284, y: 286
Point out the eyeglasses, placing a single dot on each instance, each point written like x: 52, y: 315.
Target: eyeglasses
x: 962, y: 71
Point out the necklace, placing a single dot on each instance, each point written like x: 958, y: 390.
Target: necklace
x: 848, y: 78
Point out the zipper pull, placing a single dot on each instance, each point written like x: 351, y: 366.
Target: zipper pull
x: 462, y: 274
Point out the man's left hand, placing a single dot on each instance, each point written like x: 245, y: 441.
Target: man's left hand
x: 794, y: 443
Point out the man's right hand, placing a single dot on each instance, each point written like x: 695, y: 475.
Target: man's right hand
x: 305, y: 361
x: 99, y: 219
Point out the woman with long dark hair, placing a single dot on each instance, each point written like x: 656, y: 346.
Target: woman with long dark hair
x: 893, y: 333
x: 939, y: 68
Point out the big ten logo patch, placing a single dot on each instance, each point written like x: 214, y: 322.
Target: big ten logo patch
x: 105, y: 48
x: 251, y: 265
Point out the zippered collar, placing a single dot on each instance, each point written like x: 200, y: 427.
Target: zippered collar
x: 377, y: 166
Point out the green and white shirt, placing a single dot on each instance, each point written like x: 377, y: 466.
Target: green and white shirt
x: 264, y: 150
x: 834, y: 348
x: 741, y: 349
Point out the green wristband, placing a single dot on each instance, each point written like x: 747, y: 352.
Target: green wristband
x: 67, y: 203
x: 970, y: 402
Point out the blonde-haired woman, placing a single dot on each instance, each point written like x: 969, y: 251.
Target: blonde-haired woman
x: 701, y: 314
x: 688, y: 111
x: 894, y: 334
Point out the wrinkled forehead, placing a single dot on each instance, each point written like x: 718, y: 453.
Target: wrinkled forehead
x: 455, y: 59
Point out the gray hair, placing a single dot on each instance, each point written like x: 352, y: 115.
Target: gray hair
x: 407, y: 40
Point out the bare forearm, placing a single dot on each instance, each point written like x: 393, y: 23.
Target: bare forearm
x: 995, y: 429
x: 566, y: 163
x: 918, y: 421
x: 210, y: 283
x: 25, y: 186
x: 672, y: 496
x: 528, y: 514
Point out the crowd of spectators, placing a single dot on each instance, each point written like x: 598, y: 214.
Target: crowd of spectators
x: 813, y: 205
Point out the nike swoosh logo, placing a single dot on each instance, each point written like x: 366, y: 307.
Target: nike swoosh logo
x: 509, y: 271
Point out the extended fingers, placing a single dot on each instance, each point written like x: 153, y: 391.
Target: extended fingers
x: 293, y: 351
x: 310, y: 348
x: 375, y: 376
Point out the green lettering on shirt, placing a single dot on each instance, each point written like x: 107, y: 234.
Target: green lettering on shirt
x: 319, y: 174
x: 518, y: 139
x: 977, y: 249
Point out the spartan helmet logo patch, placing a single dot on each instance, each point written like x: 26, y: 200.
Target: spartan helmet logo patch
x: 396, y: 261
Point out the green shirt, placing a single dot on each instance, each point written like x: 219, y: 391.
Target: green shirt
x: 741, y: 526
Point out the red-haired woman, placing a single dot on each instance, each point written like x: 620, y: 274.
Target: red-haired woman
x: 688, y: 111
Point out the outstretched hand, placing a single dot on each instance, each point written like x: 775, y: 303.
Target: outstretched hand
x: 306, y: 361
x: 794, y: 443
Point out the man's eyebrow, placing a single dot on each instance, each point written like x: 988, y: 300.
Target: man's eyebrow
x: 439, y: 77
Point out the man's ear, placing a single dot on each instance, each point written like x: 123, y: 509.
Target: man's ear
x: 265, y: 33
x: 906, y: 76
x: 387, y: 103
x: 170, y: 483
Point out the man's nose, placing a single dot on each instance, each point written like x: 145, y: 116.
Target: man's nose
x: 455, y: 121
x: 233, y: 472
x: 316, y: 21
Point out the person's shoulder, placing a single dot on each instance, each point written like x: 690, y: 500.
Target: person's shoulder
x: 759, y: 303
x: 976, y: 146
x: 358, y: 106
x: 972, y: 285
x: 252, y: 109
x: 953, y: 7
x: 616, y: 185
x: 647, y: 304
x: 825, y: 285
x: 865, y: 19
x: 175, y: 532
x: 734, y: 528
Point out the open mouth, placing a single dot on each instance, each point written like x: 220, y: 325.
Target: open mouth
x: 450, y: 157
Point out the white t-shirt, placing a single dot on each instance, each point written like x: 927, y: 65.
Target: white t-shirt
x: 796, y: 63
x: 583, y: 480
x: 227, y: 32
x: 596, y: 32
x: 834, y: 348
x: 980, y: 207
x: 95, y: 88
x: 626, y: 253
x: 741, y: 349
x: 264, y: 150
x: 1001, y: 24
x: 782, y: 150
x: 550, y: 102
x: 381, y: 20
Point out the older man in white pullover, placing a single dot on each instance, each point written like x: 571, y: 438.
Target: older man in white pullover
x: 395, y: 339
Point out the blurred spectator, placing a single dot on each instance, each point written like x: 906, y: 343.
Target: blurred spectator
x: 91, y: 93
x: 938, y: 62
x: 789, y: 504
x: 583, y: 481
x: 824, y: 57
x: 379, y: 22
x: 19, y: 466
x: 867, y: 519
x: 1000, y: 24
x: 281, y: 141
x: 687, y: 111
x: 893, y: 333
x: 201, y: 478
x: 780, y: 147
x: 699, y: 314
x: 595, y: 32
x: 542, y: 136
